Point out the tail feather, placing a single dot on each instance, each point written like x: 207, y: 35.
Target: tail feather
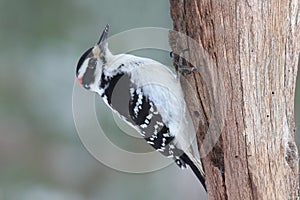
x: 199, y: 173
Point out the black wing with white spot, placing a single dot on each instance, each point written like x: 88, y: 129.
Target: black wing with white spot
x: 141, y: 112
x: 144, y: 114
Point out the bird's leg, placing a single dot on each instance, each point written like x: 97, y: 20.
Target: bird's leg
x: 181, y: 68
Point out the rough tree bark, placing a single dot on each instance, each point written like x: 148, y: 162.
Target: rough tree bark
x: 251, y: 48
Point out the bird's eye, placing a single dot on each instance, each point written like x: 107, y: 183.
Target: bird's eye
x: 86, y: 86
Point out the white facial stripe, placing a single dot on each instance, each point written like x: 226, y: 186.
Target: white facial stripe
x: 83, y: 67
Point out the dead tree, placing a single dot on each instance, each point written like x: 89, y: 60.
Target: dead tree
x: 243, y: 97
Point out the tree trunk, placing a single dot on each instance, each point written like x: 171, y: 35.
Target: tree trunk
x: 243, y: 98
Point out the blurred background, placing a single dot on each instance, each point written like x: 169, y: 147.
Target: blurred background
x: 41, y: 155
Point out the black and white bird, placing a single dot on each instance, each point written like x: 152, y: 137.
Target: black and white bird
x: 150, y: 99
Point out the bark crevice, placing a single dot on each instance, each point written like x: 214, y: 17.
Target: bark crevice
x: 253, y: 47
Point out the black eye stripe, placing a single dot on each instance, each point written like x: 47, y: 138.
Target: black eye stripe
x: 92, y: 63
x: 89, y: 76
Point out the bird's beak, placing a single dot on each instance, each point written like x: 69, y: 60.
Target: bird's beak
x: 104, y: 36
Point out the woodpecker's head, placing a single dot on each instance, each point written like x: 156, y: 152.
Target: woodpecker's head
x: 90, y: 64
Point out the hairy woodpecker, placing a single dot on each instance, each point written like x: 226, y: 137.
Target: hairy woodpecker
x: 154, y: 100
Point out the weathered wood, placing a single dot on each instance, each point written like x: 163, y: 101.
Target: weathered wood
x: 245, y: 91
